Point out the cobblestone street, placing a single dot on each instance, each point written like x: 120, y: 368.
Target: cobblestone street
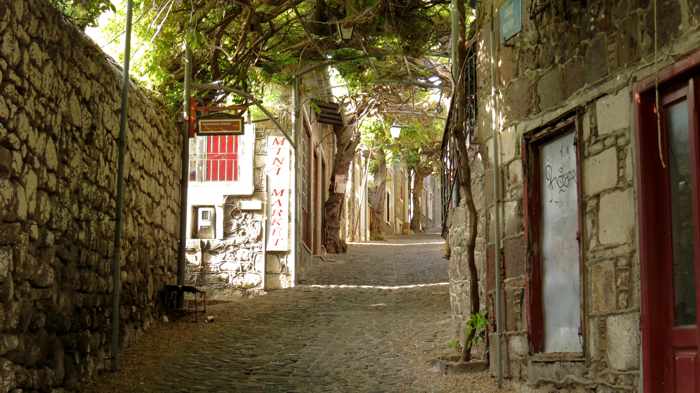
x: 344, y: 330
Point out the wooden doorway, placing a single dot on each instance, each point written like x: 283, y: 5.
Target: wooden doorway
x: 669, y: 222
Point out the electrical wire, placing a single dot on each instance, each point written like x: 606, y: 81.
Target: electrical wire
x: 656, y: 86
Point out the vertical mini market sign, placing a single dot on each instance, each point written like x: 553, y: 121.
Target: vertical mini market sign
x: 278, y: 173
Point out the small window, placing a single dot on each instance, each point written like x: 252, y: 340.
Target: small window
x: 204, y: 222
x: 215, y: 158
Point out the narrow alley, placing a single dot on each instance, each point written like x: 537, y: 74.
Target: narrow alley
x: 372, y: 320
x: 292, y: 162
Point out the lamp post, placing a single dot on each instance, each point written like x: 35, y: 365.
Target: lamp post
x: 119, y: 214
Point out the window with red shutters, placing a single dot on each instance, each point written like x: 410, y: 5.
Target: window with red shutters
x: 214, y: 158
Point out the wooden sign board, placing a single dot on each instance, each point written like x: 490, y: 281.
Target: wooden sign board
x: 232, y: 126
x: 328, y: 113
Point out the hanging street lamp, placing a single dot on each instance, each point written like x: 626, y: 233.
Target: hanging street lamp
x: 345, y: 29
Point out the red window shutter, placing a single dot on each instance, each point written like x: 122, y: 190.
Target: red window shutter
x: 222, y: 158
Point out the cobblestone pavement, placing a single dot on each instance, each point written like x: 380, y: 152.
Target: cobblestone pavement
x: 314, y: 338
x: 401, y: 260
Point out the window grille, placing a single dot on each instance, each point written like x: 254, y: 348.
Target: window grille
x: 214, y: 158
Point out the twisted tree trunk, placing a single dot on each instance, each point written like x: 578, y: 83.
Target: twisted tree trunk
x: 473, y: 217
x: 333, y: 208
x: 347, y: 138
x: 461, y: 134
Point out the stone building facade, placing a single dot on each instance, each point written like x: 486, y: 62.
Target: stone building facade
x: 229, y: 214
x: 59, y: 123
x: 396, y: 204
x: 579, y: 154
x: 355, y: 220
x: 431, y: 210
x: 316, y: 152
x: 234, y: 208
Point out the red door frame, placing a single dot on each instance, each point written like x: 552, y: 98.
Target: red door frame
x: 656, y: 310
x: 568, y: 122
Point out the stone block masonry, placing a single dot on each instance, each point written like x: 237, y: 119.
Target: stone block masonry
x: 59, y: 121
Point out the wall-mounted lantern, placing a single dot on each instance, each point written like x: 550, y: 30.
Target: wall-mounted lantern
x: 395, y: 131
x: 345, y: 29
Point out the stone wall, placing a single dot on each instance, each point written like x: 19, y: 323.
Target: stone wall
x: 59, y: 121
x: 579, y: 58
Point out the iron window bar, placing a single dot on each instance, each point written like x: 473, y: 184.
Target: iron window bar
x: 450, y: 157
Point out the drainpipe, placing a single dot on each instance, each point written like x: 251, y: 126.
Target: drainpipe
x: 296, y: 97
x: 119, y: 221
x: 184, y: 176
x: 497, y: 208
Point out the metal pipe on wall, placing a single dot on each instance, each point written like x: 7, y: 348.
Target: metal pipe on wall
x: 119, y: 219
x: 184, y: 178
x: 496, y: 208
x: 296, y: 97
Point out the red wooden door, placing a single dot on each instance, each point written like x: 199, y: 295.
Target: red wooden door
x: 670, y: 239
x: 222, y: 158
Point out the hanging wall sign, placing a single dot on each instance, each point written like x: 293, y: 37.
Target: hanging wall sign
x: 220, y: 124
x: 510, y: 16
x: 279, y: 176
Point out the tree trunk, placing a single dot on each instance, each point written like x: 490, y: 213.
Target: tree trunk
x: 347, y: 138
x: 461, y: 135
x: 376, y: 197
x: 417, y: 219
x: 473, y: 217
x: 332, y: 210
x: 347, y: 141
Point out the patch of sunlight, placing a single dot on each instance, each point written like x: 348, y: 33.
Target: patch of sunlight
x: 396, y: 244
x: 386, y: 287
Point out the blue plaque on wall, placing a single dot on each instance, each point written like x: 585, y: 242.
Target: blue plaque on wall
x: 510, y: 16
